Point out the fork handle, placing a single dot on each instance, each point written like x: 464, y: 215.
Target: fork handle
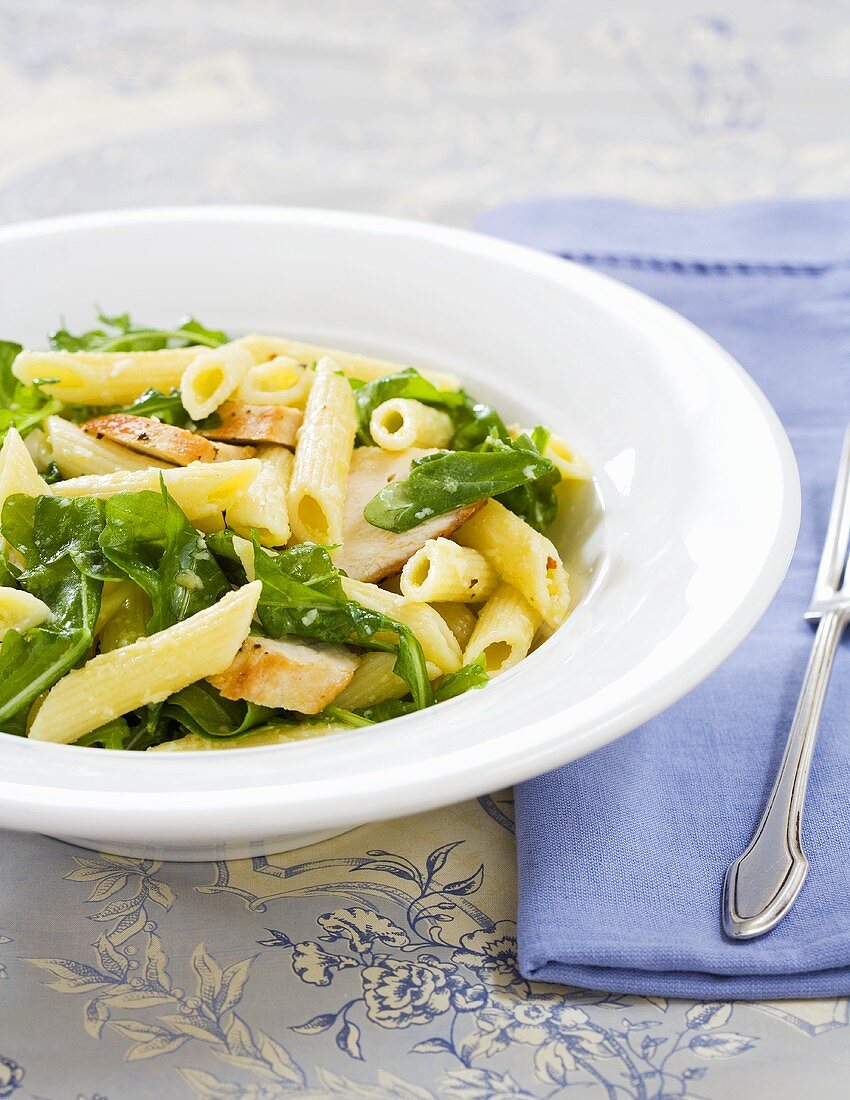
x: 762, y: 883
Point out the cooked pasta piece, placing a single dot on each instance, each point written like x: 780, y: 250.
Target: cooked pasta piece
x: 128, y: 622
x: 20, y: 611
x: 212, y: 376
x: 571, y: 465
x: 522, y: 556
x: 443, y: 571
x: 362, y: 367
x: 241, y: 423
x: 204, y: 490
x: 17, y: 470
x: 39, y: 448
x: 279, y: 381
x: 322, y: 458
x: 437, y: 641
x: 287, y: 673
x: 103, y: 377
x: 375, y: 682
x: 262, y: 507
x: 146, y: 671
x: 369, y: 553
x: 460, y: 620
x: 111, y: 598
x: 279, y: 735
x: 78, y: 454
x: 504, y: 631
x: 158, y: 441
x: 400, y: 423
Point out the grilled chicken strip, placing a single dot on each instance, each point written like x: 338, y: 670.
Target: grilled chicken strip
x: 294, y: 675
x: 152, y: 437
x: 243, y: 423
x: 369, y: 553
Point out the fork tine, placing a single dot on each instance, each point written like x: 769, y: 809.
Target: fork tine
x: 834, y: 556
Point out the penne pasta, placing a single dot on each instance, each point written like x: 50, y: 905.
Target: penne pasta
x: 39, y: 448
x: 504, y: 631
x: 262, y: 507
x: 400, y: 423
x: 146, y: 671
x: 322, y: 458
x: 438, y: 643
x: 443, y: 571
x: 279, y: 381
x: 212, y: 376
x: 362, y: 367
x: 460, y: 620
x: 374, y: 682
x: 78, y: 454
x: 522, y: 556
x: 20, y: 611
x: 103, y: 377
x: 204, y: 490
x: 128, y: 621
x: 18, y: 473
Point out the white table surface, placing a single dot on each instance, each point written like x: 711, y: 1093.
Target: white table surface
x: 429, y: 110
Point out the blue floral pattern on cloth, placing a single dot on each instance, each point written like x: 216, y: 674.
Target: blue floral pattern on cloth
x: 379, y: 965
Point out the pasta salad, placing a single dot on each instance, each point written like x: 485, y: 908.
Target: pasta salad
x: 211, y: 542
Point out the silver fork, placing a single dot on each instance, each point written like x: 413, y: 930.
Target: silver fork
x: 763, y: 882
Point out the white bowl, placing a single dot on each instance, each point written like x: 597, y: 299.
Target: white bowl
x: 699, y: 486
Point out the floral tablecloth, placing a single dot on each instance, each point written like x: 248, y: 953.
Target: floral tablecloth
x: 380, y: 964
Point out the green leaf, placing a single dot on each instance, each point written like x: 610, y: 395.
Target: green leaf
x: 114, y: 735
x: 302, y: 595
x: 166, y: 407
x: 22, y: 407
x: 535, y: 501
x: 438, y: 483
x: 201, y: 709
x: 407, y: 383
x: 127, y: 336
x: 64, y: 567
x: 469, y: 678
x: 150, y: 540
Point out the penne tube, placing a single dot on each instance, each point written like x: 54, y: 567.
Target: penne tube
x: 278, y: 735
x: 18, y: 473
x: 504, y: 631
x: 103, y: 377
x: 443, y: 571
x: 212, y: 376
x: 39, y: 448
x: 146, y: 671
x: 460, y: 620
x: 128, y: 621
x: 362, y: 367
x: 263, y: 507
x: 438, y: 643
x: 522, y: 557
x: 374, y: 682
x: 20, y: 611
x: 572, y: 466
x: 78, y: 454
x: 400, y: 423
x: 279, y: 381
x: 322, y: 459
x: 203, y: 491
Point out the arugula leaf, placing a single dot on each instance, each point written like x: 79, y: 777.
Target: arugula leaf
x: 201, y: 709
x: 166, y: 407
x: 302, y: 595
x: 469, y: 678
x: 475, y: 423
x: 535, y: 501
x: 58, y: 540
x: 150, y: 540
x: 127, y: 336
x: 22, y: 407
x: 438, y: 483
x: 113, y: 735
x: 406, y: 383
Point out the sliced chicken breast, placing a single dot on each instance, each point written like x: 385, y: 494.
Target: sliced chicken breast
x: 368, y: 553
x: 243, y: 423
x: 151, y: 437
x: 294, y: 675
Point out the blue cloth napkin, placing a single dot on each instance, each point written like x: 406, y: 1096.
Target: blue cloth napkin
x: 622, y: 853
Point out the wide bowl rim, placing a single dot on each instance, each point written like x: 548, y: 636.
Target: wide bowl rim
x: 51, y: 803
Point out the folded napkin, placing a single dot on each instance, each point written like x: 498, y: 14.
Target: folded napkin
x: 622, y: 853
